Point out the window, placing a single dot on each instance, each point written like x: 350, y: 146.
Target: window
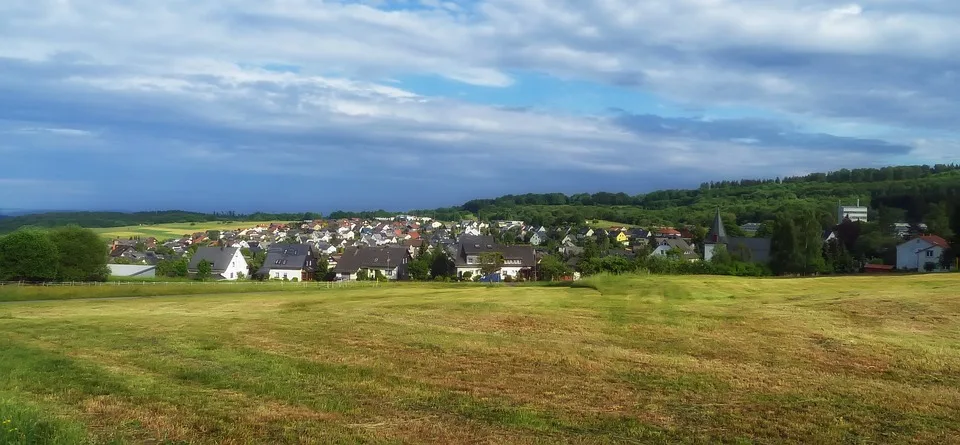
x: 231, y: 274
x: 929, y: 254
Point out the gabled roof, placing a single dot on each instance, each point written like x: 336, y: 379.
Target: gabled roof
x: 717, y: 233
x: 477, y: 244
x: 288, y: 257
x: 219, y: 257
x: 356, y: 258
x: 935, y: 241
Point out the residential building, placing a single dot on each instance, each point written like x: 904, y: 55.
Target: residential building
x: 539, y: 238
x: 917, y: 253
x: 756, y: 250
x: 854, y: 213
x: 391, y: 262
x: 295, y: 262
x: 668, y: 245
x: 518, y: 261
x: 226, y: 263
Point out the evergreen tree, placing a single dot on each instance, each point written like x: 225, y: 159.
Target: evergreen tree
x: 784, y: 252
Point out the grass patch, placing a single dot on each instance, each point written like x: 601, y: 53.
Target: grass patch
x: 628, y: 359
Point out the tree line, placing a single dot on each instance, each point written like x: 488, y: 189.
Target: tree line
x: 67, y: 253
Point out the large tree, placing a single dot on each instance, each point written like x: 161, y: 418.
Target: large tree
x: 28, y: 255
x: 82, y: 254
x: 490, y: 262
x: 553, y: 268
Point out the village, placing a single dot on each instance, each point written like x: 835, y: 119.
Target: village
x: 385, y: 248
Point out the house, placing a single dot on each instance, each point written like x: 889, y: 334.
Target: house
x: 621, y: 237
x: 668, y: 232
x: 132, y: 271
x: 226, y: 263
x: 518, y: 261
x: 756, y: 250
x: 539, y: 238
x: 668, y: 245
x: 295, y: 262
x: 391, y: 262
x: 326, y: 248
x: 923, y: 253
x: 585, y: 232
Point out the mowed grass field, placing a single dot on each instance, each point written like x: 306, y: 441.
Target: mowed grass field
x: 174, y: 230
x: 619, y: 360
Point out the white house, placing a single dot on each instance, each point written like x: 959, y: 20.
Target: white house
x: 226, y: 263
x: 539, y: 238
x: 918, y: 252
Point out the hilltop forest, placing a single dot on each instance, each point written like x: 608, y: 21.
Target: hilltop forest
x: 894, y: 194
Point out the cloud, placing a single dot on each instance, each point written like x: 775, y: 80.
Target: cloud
x: 303, y: 91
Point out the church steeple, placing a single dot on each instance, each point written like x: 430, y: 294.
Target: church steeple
x: 717, y: 234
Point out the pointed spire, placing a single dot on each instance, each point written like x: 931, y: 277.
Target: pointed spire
x: 717, y: 234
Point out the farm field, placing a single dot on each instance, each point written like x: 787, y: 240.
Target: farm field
x: 644, y: 359
x: 174, y: 230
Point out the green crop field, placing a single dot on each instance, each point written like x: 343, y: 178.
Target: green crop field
x: 174, y: 230
x: 612, y: 360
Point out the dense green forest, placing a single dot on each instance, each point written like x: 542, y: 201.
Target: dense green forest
x: 909, y: 194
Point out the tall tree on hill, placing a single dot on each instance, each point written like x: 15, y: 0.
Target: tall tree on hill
x: 82, y: 255
x: 28, y: 255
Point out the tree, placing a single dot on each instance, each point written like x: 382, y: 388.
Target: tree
x: 553, y: 268
x: 948, y: 259
x: 490, y: 262
x: 938, y: 220
x: 810, y: 243
x: 323, y: 269
x: 82, y: 254
x: 204, y: 270
x: 441, y: 265
x: 140, y: 247
x: 467, y: 276
x: 784, y: 255
x: 256, y: 262
x: 28, y: 255
x: 419, y: 268
x: 363, y: 275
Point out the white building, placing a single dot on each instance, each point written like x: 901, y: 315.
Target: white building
x: 226, y: 263
x: 855, y: 213
x: 918, y: 252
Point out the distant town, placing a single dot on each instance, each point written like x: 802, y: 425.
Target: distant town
x: 408, y: 247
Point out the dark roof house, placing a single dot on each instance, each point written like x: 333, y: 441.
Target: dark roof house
x: 289, y: 257
x: 374, y: 258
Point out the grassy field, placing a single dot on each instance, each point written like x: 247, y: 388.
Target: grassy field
x: 603, y: 224
x: 613, y: 360
x: 176, y: 230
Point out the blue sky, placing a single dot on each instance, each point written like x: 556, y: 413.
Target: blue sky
x: 292, y: 105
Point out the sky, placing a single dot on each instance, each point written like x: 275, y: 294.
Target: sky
x: 295, y: 105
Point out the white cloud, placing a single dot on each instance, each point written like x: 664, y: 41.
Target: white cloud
x: 289, y: 80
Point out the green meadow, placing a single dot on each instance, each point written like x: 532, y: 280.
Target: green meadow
x: 641, y: 359
x: 173, y: 230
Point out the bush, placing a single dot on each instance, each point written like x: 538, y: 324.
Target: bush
x: 28, y: 255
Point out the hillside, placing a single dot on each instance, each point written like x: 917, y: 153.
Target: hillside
x: 910, y: 189
x: 617, y: 360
